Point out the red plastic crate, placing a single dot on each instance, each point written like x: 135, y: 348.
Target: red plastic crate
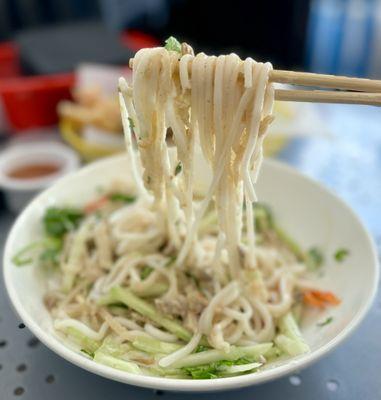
x: 136, y: 40
x: 9, y: 60
x: 31, y: 101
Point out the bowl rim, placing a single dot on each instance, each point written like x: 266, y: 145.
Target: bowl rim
x: 182, y: 384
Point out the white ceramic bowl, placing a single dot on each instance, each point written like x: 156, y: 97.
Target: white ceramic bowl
x: 18, y: 192
x: 310, y: 213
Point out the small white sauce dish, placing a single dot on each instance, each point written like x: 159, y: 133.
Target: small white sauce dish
x: 18, y: 191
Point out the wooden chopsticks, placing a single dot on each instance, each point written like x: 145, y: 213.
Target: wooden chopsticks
x: 321, y: 96
x: 357, y: 90
x: 348, y: 90
x: 325, y: 81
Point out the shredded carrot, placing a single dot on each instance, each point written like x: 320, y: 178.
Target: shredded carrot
x: 96, y: 204
x: 320, y: 299
x: 311, y: 300
x: 328, y: 297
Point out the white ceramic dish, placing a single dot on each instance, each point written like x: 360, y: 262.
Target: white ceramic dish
x: 310, y: 213
x: 19, y: 191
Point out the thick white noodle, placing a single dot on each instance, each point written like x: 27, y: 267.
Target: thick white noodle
x: 159, y: 334
x: 181, y: 353
x: 130, y: 150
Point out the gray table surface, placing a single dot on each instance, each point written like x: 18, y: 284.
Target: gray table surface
x: 350, y: 163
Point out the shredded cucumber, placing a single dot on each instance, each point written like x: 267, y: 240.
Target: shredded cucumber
x: 86, y: 343
x: 125, y: 296
x: 290, y: 339
x: 112, y: 347
x: 154, y: 346
x: 155, y: 290
x: 117, y: 363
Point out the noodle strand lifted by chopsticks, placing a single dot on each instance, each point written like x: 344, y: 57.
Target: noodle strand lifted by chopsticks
x: 221, y: 106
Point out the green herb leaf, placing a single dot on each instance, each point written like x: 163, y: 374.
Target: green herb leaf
x: 172, y: 44
x: 146, y: 272
x: 58, y: 221
x: 123, y: 198
x: 51, y: 253
x: 200, y: 348
x: 131, y: 123
x: 47, y: 250
x: 89, y: 353
x: 25, y: 255
x: 178, y: 168
x: 326, y: 322
x: 201, y: 372
x: 314, y: 259
x: 341, y: 254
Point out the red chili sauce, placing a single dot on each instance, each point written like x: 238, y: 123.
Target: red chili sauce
x: 33, y: 170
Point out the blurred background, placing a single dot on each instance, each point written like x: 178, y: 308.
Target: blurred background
x: 59, y: 65
x: 49, y: 38
x: 60, y: 60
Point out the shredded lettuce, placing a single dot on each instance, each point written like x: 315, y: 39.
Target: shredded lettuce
x: 252, y: 353
x: 241, y: 368
x: 109, y: 353
x: 221, y: 368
